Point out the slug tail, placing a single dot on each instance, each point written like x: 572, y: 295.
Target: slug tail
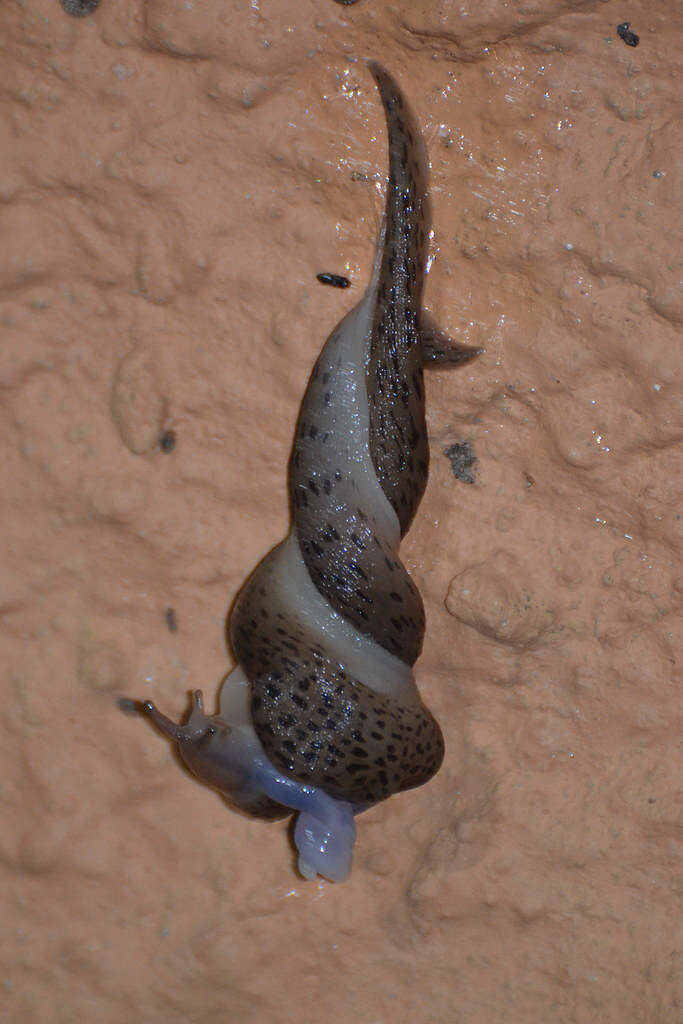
x: 394, y: 380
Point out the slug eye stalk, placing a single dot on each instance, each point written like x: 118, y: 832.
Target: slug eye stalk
x: 179, y: 733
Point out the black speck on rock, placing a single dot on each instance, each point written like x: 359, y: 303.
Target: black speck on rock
x: 171, y: 620
x: 128, y: 706
x: 462, y: 459
x: 167, y: 441
x: 79, y: 8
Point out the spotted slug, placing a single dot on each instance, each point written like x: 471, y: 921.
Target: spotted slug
x: 322, y: 716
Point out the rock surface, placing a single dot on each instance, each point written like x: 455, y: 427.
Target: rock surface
x: 174, y: 175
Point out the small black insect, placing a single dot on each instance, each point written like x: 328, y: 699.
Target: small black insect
x: 346, y: 3
x: 624, y: 32
x: 336, y: 280
x: 79, y: 8
x: 167, y: 441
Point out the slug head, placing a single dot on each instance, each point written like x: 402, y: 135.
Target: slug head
x: 219, y: 756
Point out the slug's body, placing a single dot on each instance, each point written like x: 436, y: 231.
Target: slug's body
x: 322, y: 714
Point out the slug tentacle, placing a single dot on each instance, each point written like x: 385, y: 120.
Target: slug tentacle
x: 163, y: 724
x: 322, y: 714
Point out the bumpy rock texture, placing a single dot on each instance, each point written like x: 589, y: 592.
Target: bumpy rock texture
x: 173, y: 176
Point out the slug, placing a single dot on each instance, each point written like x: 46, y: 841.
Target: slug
x: 322, y: 715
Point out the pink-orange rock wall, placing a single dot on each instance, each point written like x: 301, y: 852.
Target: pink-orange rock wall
x: 173, y: 174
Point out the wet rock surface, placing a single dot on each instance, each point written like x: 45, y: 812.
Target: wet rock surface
x: 174, y: 176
